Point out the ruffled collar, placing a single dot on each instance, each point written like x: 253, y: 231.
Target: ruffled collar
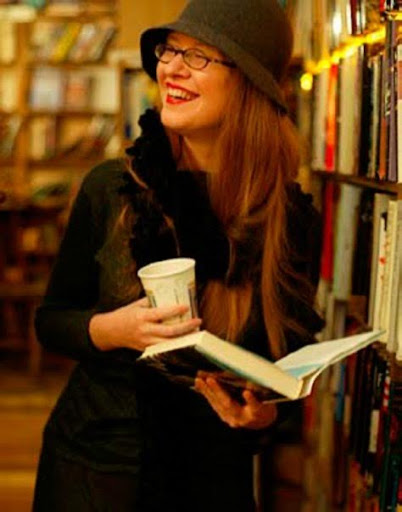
x: 182, y: 196
x: 178, y: 196
x: 152, y: 158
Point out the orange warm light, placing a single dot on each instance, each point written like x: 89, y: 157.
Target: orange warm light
x: 345, y: 51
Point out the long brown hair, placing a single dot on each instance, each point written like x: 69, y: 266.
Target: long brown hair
x: 260, y: 157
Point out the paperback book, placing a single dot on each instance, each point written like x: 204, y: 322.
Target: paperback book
x: 236, y: 369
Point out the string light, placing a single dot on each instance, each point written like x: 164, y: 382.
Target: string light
x: 306, y: 82
x: 345, y: 51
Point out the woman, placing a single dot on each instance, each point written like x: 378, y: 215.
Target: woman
x: 211, y: 177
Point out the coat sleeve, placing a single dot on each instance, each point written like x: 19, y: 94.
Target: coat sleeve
x: 62, y: 319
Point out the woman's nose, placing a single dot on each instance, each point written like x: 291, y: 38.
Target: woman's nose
x: 177, y: 66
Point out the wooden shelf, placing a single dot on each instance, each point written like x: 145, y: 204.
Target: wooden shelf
x: 81, y: 15
x: 20, y: 13
x: 8, y: 65
x: 63, y: 161
x: 360, y: 181
x: 61, y: 113
x: 66, y: 64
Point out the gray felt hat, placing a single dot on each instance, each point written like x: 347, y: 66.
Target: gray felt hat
x: 255, y: 34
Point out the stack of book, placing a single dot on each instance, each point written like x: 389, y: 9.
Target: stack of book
x: 56, y: 89
x: 71, y: 41
x: 354, y: 418
x: 358, y: 111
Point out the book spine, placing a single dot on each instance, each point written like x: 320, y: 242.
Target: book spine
x: 376, y: 65
x: 347, y: 214
x: 366, y: 113
x: 331, y: 124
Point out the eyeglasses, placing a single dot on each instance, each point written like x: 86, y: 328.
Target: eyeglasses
x: 194, y: 58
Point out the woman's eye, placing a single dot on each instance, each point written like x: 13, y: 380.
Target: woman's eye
x: 197, y: 56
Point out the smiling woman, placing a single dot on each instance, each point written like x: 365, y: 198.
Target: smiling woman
x: 210, y: 178
x: 194, y: 100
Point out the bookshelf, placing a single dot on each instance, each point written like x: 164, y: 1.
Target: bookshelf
x: 350, y: 115
x: 386, y: 187
x: 59, y: 116
x: 57, y: 57
x: 138, y: 93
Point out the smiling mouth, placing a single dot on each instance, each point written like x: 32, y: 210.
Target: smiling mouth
x: 175, y: 95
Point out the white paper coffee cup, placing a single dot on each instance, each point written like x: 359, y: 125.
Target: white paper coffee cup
x: 171, y: 282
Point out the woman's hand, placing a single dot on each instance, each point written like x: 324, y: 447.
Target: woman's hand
x: 137, y: 325
x: 252, y: 414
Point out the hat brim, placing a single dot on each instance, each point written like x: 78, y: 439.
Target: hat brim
x: 251, y: 67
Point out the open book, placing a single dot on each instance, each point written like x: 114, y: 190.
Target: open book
x: 236, y: 368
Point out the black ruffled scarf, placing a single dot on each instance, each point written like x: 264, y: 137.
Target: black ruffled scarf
x: 194, y: 230
x: 173, y: 217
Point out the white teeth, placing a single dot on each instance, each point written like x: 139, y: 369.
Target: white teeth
x: 179, y: 93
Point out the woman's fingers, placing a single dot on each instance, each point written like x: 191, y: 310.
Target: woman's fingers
x: 252, y: 414
x: 173, y: 330
x: 251, y: 399
x: 165, y: 313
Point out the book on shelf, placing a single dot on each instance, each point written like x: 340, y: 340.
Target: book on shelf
x: 366, y: 112
x: 8, y: 41
x: 83, y: 43
x: 344, y: 244
x: 363, y: 246
x: 385, y: 269
x: 375, y: 63
x: 331, y: 116
x: 47, y: 88
x: 301, y: 16
x: 139, y: 93
x: 398, y: 327
x: 42, y: 131
x: 9, y: 135
x: 398, y: 77
x: 8, y: 92
x: 391, y: 281
x: 78, y: 90
x: 365, y: 397
x: 105, y: 32
x: 393, y: 34
x: 74, y: 90
x: 235, y: 368
x: 379, y: 374
x: 320, y: 105
x: 60, y: 49
x: 381, y: 170
x: 350, y: 76
x: 92, y: 141
x: 44, y: 37
x: 328, y: 216
x: 71, y: 41
x: 342, y: 28
x: 377, y: 255
x: 389, y: 488
x: 392, y: 5
x: 370, y: 15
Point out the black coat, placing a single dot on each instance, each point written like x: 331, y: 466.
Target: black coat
x: 113, y: 416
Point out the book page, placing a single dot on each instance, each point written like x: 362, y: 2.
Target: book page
x: 326, y: 352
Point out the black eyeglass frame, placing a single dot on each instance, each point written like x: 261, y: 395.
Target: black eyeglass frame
x: 162, y: 47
